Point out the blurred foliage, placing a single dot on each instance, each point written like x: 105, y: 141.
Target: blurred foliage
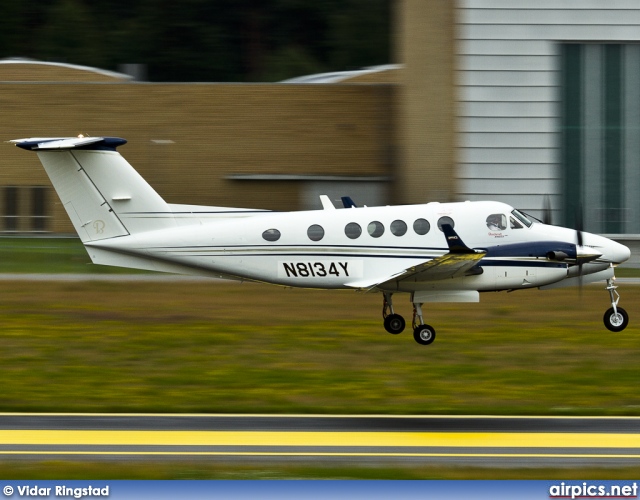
x: 202, y: 40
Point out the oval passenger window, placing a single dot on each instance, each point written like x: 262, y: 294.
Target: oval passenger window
x: 375, y: 229
x: 353, y: 230
x: 421, y: 226
x: 445, y: 220
x: 315, y: 232
x: 398, y: 227
x: 271, y: 235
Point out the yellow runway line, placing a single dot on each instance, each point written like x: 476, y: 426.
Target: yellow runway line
x: 319, y: 439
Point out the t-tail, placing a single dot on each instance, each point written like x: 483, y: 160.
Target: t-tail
x: 102, y: 193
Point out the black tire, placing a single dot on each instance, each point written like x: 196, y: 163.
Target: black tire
x: 424, y: 334
x: 616, y: 323
x: 394, y: 324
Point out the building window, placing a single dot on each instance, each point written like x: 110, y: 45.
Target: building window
x: 38, y: 208
x: 11, y: 208
x: 25, y: 209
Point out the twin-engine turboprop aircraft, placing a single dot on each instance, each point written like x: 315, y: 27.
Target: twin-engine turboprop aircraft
x: 417, y: 249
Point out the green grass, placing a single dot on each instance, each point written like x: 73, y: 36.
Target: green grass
x: 226, y: 347
x: 49, y: 255
x: 133, y: 470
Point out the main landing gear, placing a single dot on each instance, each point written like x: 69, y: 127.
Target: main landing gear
x: 616, y: 319
x: 394, y: 323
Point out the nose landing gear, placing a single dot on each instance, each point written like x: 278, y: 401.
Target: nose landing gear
x: 616, y: 318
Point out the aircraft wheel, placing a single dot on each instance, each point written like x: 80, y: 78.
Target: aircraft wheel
x: 424, y: 334
x: 394, y: 323
x: 616, y: 322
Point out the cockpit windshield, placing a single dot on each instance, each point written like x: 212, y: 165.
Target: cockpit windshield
x: 521, y: 217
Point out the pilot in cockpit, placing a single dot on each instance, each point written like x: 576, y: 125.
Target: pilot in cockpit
x: 497, y: 222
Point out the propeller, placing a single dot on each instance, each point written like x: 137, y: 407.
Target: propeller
x: 579, y: 224
x: 579, y: 243
x: 546, y: 210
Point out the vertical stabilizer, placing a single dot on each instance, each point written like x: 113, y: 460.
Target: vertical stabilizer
x: 102, y: 193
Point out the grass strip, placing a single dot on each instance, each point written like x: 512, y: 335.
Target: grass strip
x: 134, y: 470
x: 226, y: 347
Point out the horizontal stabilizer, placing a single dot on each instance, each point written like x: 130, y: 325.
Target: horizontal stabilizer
x: 53, y: 143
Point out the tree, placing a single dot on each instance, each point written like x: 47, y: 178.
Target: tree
x: 202, y: 40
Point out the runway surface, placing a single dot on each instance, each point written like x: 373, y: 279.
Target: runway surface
x: 476, y: 440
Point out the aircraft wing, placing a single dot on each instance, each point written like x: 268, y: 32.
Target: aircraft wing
x: 457, y: 262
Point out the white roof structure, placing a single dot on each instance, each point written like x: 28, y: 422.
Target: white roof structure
x: 341, y: 76
x: 98, y: 71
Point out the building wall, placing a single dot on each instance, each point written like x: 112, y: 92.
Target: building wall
x: 508, y: 62
x: 193, y: 141
x: 426, y: 101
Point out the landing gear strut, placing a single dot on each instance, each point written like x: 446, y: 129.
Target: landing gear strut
x: 422, y: 334
x: 393, y: 323
x: 616, y: 319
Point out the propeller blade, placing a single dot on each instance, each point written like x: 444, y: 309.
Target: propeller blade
x: 579, y: 224
x: 546, y: 210
x: 579, y: 244
x: 580, y: 279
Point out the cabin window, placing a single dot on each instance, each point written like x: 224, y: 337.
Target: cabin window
x: 421, y: 226
x: 375, y: 229
x: 271, y: 235
x: 315, y: 232
x: 497, y: 222
x: 353, y: 230
x: 514, y: 223
x: 445, y: 220
x: 398, y: 227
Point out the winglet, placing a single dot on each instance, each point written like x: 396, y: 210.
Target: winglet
x: 456, y: 245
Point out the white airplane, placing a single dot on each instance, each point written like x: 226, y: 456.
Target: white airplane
x: 122, y: 221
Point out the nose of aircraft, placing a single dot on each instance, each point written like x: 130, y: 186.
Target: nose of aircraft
x: 615, y: 252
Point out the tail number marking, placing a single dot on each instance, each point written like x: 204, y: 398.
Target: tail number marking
x: 320, y: 269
